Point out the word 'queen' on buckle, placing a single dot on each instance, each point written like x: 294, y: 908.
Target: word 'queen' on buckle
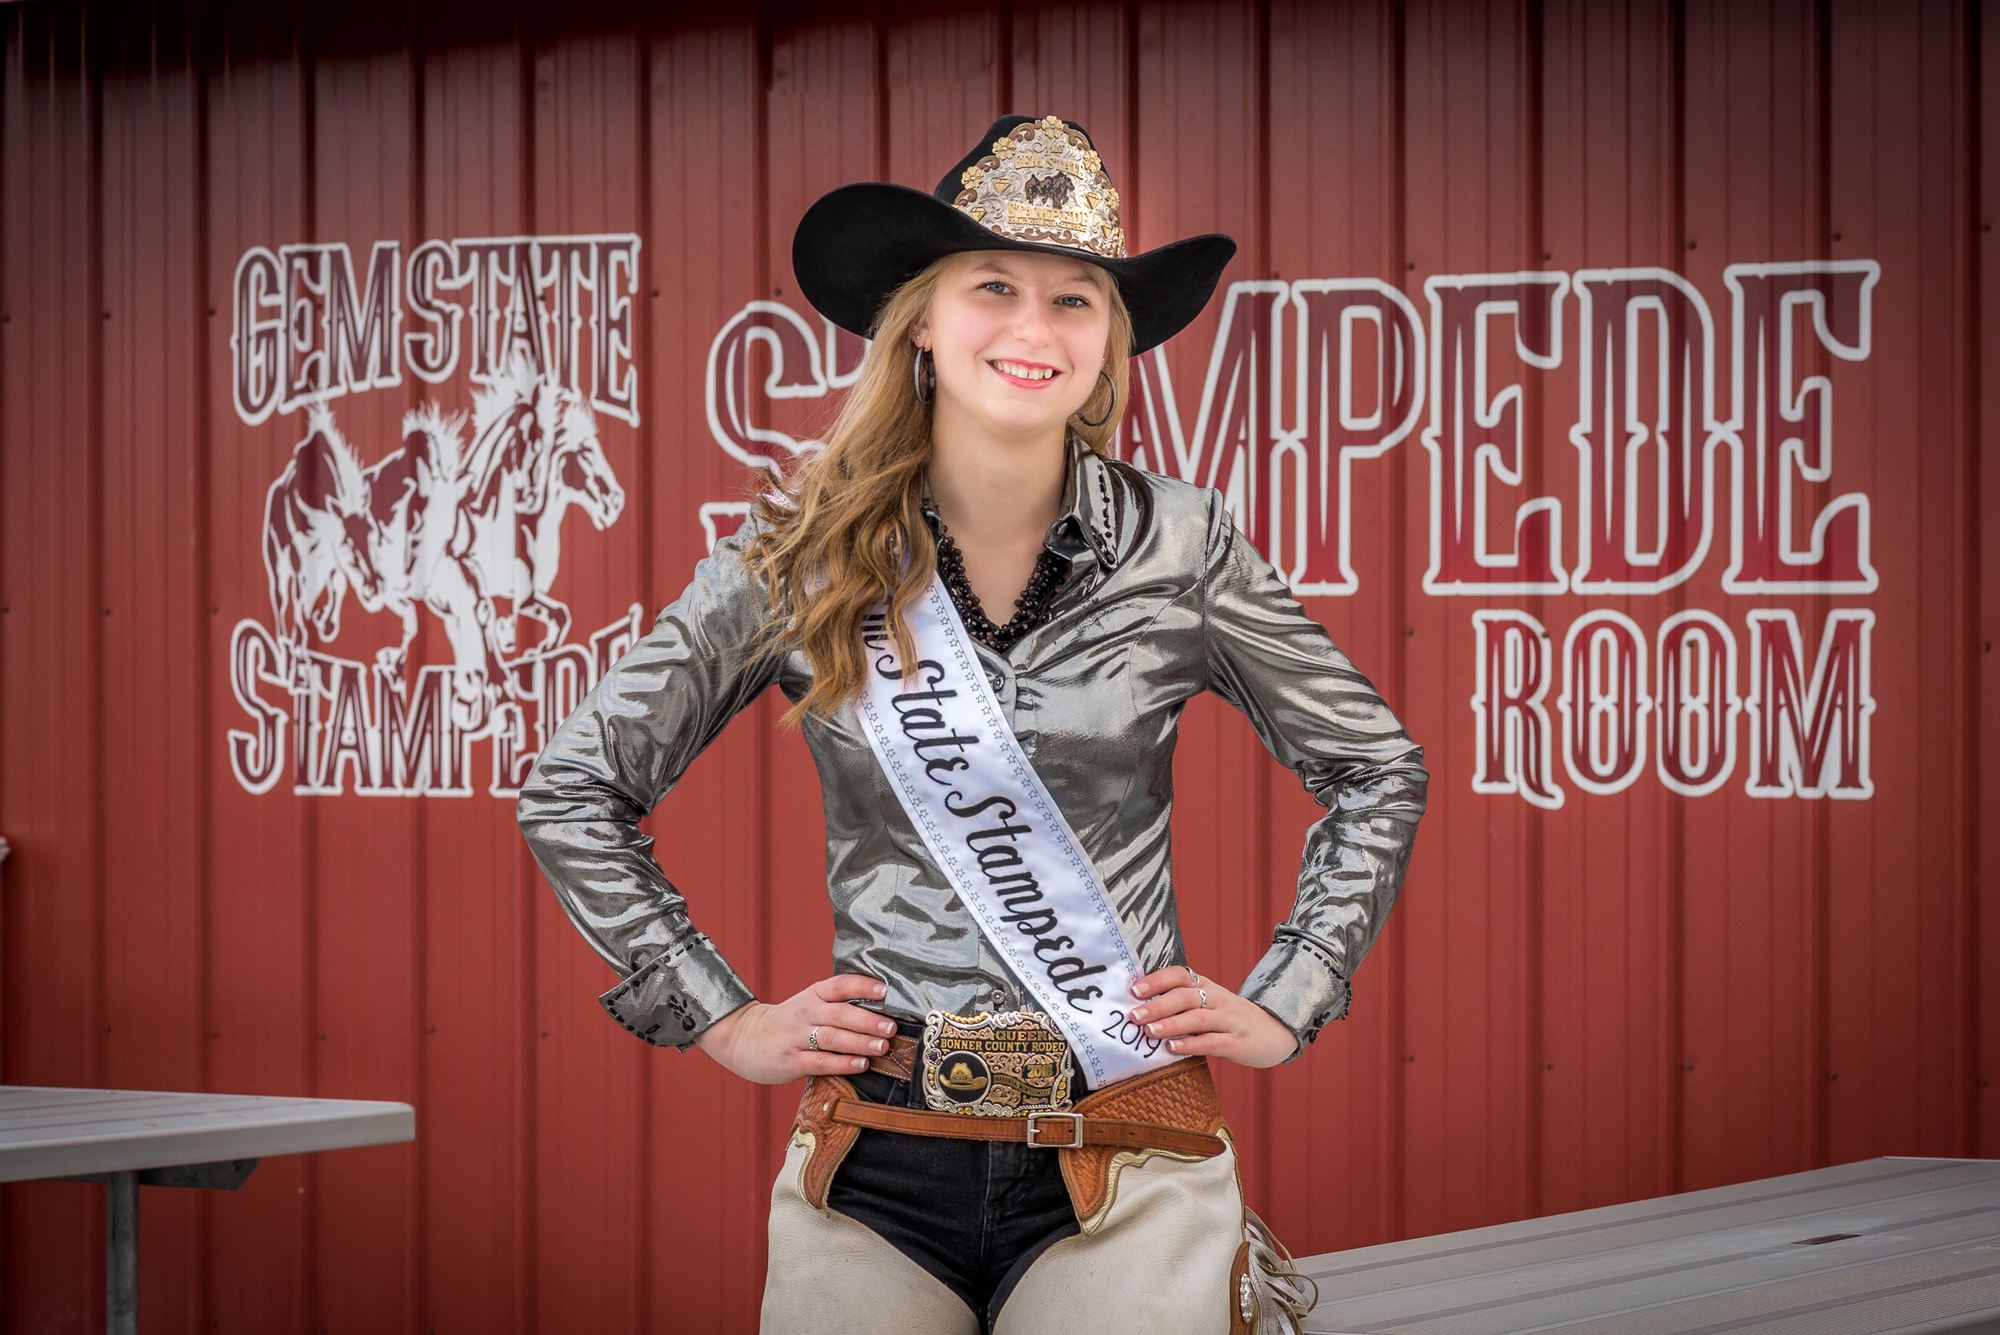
x: 996, y: 1064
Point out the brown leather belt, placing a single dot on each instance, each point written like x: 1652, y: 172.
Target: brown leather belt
x: 1047, y: 1130
x: 1172, y: 1109
x: 901, y: 1058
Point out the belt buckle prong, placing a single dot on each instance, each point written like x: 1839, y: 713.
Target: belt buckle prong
x: 1076, y: 1120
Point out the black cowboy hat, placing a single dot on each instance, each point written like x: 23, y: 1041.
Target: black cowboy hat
x: 1029, y: 184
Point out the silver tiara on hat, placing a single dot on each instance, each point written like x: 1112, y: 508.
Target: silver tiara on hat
x: 1044, y: 182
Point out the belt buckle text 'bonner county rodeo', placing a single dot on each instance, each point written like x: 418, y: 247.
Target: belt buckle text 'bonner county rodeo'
x: 995, y: 1064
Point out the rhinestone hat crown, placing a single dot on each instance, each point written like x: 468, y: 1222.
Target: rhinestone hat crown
x: 1043, y: 182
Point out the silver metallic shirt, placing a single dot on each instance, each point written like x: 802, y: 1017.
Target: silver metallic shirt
x: 1164, y: 597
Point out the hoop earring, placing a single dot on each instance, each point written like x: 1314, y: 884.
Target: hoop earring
x: 1106, y: 376
x: 917, y: 377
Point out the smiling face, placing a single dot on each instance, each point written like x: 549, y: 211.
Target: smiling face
x: 1018, y: 338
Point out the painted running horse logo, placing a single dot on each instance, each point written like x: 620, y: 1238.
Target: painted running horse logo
x: 441, y: 524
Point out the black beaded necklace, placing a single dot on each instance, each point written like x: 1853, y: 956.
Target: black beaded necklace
x: 1031, y: 608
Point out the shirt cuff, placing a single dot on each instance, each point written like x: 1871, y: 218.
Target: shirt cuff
x: 1298, y: 982
x: 674, y: 997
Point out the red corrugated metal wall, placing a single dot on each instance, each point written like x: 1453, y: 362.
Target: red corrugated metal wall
x: 1613, y: 973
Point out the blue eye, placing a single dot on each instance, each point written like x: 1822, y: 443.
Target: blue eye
x: 995, y: 282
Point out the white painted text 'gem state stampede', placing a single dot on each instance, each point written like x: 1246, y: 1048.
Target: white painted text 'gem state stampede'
x: 1309, y: 378
x: 455, y: 518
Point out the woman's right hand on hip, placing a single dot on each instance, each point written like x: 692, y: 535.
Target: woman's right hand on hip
x: 770, y: 1045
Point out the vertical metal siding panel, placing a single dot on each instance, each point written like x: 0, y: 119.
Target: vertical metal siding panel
x: 1888, y: 931
x: 1985, y: 561
x: 590, y: 1073
x: 1424, y: 625
x: 1704, y: 900
x: 1668, y: 1154
x: 1896, y: 206
x: 1871, y: 956
x: 198, y: 50
x: 1192, y: 167
x: 259, y: 936
x: 12, y: 201
x: 941, y: 74
x: 702, y: 260
x: 151, y: 663
x: 510, y: 201
x: 1078, y: 61
x: 1503, y: 238
x: 1780, y: 943
x: 1579, y: 164
x: 1332, y: 184
x: 482, y: 889
x: 1951, y: 46
x: 1604, y: 1068
x: 1868, y: 965
x: 1750, y: 924
x: 367, y: 856
x: 432, y: 835
x: 54, y: 971
x: 1726, y: 1043
x: 1943, y: 125
x: 1474, y: 1020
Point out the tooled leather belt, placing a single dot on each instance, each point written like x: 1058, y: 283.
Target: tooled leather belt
x: 1044, y: 1130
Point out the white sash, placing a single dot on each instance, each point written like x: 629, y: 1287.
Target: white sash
x: 999, y: 837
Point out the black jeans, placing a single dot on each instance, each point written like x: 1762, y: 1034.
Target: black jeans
x: 973, y: 1213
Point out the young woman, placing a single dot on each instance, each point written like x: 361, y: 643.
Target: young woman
x: 994, y: 1167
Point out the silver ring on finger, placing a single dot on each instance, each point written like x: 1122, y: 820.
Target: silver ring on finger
x: 812, y: 1038
x: 1203, y: 992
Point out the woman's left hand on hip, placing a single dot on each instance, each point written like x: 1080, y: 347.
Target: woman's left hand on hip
x: 1230, y: 1027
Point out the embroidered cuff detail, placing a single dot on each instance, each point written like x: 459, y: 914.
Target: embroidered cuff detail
x: 675, y: 996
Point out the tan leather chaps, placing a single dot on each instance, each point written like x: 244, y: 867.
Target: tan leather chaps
x: 1162, y: 1248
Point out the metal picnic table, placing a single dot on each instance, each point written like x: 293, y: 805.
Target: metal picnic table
x: 129, y: 1138
x: 1889, y: 1244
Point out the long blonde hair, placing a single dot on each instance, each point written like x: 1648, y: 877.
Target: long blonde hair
x: 857, y: 504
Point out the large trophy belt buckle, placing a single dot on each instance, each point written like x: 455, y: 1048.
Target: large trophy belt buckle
x: 996, y: 1064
